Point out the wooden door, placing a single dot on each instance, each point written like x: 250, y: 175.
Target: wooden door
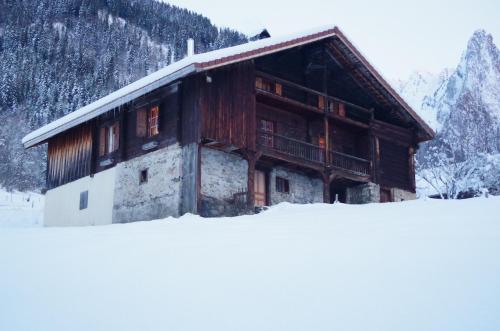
x: 260, y: 188
x: 385, y: 195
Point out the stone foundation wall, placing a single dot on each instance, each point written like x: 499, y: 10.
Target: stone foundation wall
x: 224, y: 178
x: 303, y: 189
x: 159, y: 197
x: 402, y: 195
x: 364, y: 193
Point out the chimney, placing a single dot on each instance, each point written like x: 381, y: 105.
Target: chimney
x: 190, y: 47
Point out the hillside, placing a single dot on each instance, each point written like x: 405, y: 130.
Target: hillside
x: 420, y: 265
x: 57, y: 57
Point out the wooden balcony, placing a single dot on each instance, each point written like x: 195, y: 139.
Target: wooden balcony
x: 296, y: 95
x: 350, y: 163
x: 293, y: 149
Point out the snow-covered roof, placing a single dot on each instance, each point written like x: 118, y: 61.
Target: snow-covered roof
x: 189, y: 65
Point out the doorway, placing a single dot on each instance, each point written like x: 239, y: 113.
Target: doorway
x: 260, y: 188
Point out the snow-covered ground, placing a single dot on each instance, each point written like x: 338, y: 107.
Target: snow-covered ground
x: 419, y: 265
x: 19, y: 209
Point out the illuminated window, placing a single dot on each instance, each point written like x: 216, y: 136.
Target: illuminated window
x: 154, y: 116
x: 148, y: 122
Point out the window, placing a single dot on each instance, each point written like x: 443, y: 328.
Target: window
x: 267, y: 133
x: 153, y: 119
x: 109, y: 139
x: 148, y: 122
x: 84, y: 200
x: 282, y: 185
x: 143, y: 176
x: 322, y: 141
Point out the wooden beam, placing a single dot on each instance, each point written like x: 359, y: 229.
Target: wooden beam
x: 411, y: 168
x: 327, y: 139
x: 326, y: 187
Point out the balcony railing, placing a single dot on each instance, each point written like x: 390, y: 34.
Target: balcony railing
x: 292, y: 147
x: 354, y: 164
x: 312, y: 99
x: 313, y: 153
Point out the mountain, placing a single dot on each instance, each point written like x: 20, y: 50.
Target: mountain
x: 418, y: 88
x: 463, y: 106
x: 56, y: 57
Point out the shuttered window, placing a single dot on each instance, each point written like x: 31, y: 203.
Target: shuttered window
x: 154, y: 117
x: 142, y: 124
x: 109, y: 139
x: 148, y: 122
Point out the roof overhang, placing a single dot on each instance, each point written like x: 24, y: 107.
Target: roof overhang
x: 199, y: 63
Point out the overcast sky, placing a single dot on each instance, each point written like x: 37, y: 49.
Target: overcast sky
x: 397, y: 37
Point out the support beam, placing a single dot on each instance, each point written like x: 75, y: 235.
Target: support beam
x: 375, y: 157
x: 411, y: 168
x: 327, y: 139
x: 326, y: 187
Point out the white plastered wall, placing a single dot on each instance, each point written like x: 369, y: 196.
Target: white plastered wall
x: 62, y: 204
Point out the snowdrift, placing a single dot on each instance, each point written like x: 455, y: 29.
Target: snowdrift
x: 420, y: 265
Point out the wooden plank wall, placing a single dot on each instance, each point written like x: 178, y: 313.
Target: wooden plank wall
x: 69, y: 156
x: 190, y: 114
x: 228, y: 106
x: 286, y: 123
x: 394, y: 166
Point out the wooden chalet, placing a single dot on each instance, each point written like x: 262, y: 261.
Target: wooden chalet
x: 303, y: 118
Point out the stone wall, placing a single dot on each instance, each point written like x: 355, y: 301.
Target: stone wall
x: 402, y: 195
x: 224, y: 178
x: 363, y: 193
x: 303, y: 189
x: 159, y: 197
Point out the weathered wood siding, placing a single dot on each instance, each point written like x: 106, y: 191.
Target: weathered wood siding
x: 190, y: 114
x: 228, y: 106
x: 69, y: 156
x: 285, y: 123
x: 394, y: 165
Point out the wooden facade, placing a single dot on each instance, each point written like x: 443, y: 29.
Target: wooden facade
x: 307, y: 108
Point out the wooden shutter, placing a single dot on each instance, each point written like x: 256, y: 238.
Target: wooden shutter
x: 341, y: 109
x: 278, y: 89
x: 142, y: 123
x: 102, y: 141
x: 321, y: 102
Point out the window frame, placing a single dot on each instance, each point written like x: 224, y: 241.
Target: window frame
x: 282, y: 185
x: 148, y: 121
x: 109, y: 138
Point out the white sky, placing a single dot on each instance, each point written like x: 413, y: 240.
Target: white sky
x: 398, y: 37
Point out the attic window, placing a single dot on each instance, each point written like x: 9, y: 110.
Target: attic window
x: 143, y: 176
x: 282, y: 185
